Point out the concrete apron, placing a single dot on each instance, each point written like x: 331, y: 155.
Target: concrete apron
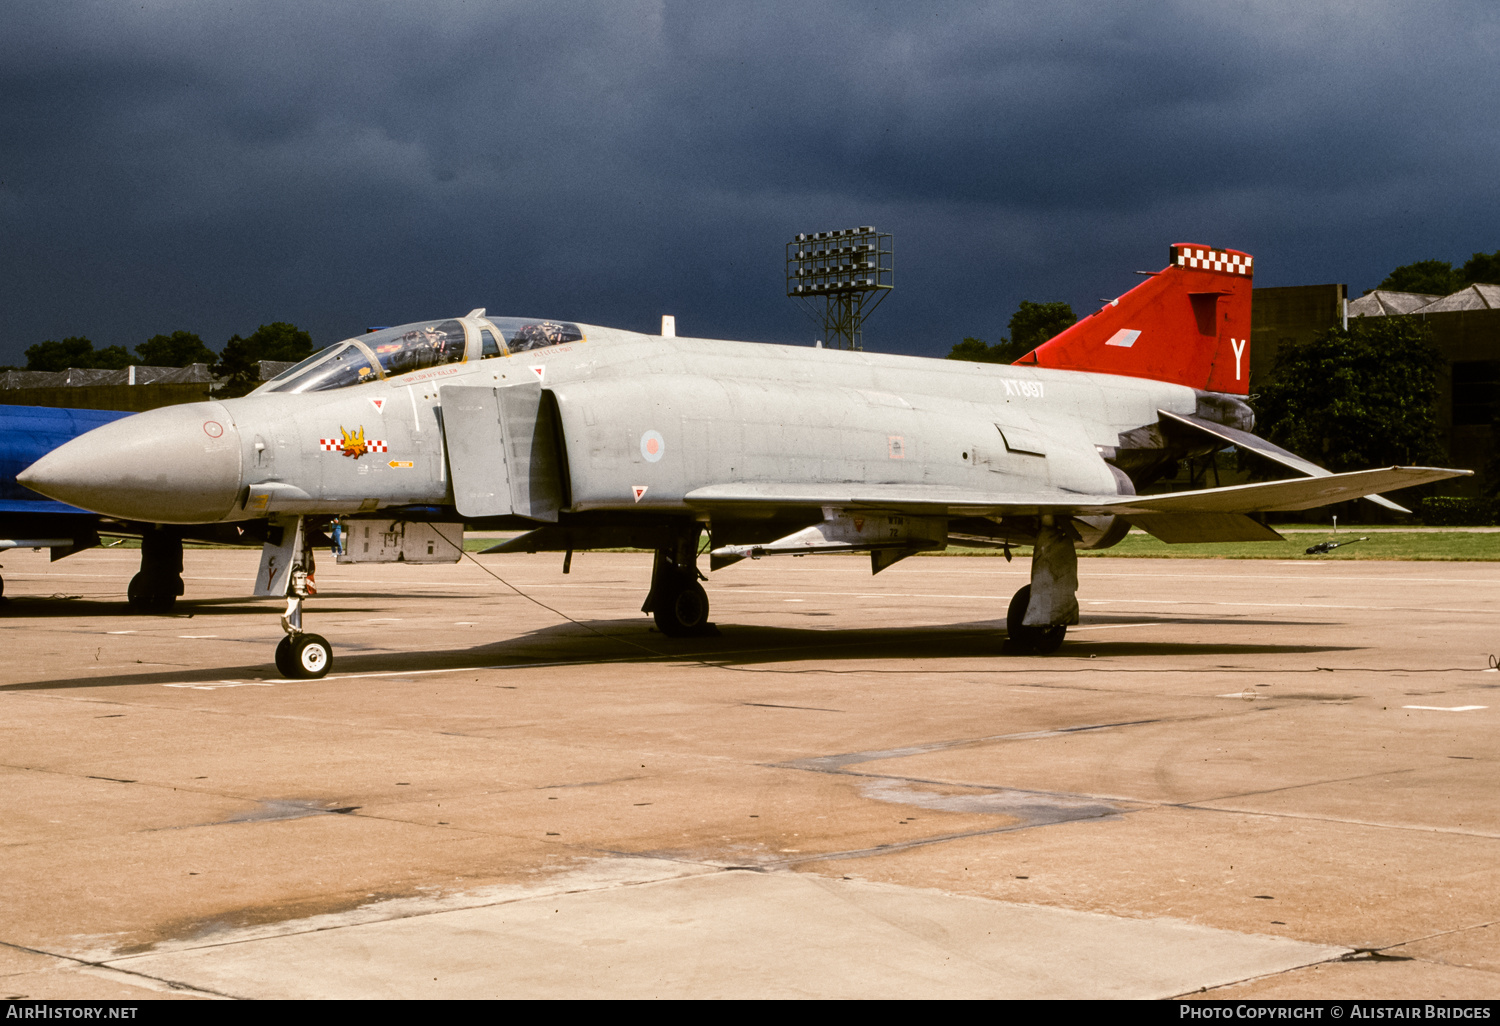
x: 640, y: 928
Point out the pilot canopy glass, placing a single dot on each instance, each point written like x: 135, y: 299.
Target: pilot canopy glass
x: 390, y: 352
x: 522, y: 334
x: 416, y: 346
x: 399, y: 350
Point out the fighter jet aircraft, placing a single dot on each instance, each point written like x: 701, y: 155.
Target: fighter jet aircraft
x: 598, y: 437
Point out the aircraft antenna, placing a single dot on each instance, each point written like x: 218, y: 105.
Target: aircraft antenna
x: 839, y: 278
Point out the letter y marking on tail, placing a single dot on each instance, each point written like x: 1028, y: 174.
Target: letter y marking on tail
x: 1239, y: 350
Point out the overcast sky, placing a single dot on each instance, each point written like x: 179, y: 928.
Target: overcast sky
x: 211, y: 166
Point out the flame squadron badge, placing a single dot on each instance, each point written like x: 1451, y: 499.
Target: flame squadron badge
x: 353, y: 444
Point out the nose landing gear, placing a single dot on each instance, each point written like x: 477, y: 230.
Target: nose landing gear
x: 287, y: 566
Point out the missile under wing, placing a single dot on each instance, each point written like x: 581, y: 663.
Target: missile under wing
x: 595, y: 437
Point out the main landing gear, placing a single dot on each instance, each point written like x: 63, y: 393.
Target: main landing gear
x: 1040, y: 613
x: 155, y: 589
x: 676, y: 600
x: 1024, y: 640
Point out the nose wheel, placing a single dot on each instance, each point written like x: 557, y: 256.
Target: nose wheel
x: 304, y: 656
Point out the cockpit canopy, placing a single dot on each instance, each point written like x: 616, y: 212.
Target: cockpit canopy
x: 389, y: 352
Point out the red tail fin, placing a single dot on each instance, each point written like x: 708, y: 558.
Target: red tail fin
x: 1188, y: 324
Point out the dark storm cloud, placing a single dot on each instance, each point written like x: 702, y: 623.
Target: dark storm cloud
x: 214, y: 166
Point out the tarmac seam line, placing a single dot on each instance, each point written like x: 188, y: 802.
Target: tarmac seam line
x: 1337, y: 819
x: 89, y: 964
x: 1293, y: 787
x: 1263, y: 976
x: 922, y: 842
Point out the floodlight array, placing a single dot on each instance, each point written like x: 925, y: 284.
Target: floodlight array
x: 839, y: 277
x: 847, y: 260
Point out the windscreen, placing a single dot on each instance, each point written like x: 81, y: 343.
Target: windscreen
x: 335, y: 367
x: 296, y: 369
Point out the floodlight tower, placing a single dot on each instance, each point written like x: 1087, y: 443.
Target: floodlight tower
x: 840, y: 277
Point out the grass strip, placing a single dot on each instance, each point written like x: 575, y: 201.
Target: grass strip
x: 1457, y: 545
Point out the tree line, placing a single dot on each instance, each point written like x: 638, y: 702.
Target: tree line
x: 1030, y: 326
x: 1441, y: 278
x: 238, y: 361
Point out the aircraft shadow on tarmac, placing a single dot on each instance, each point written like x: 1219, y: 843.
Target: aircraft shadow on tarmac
x: 1220, y: 621
x: 734, y: 647
x: 59, y: 604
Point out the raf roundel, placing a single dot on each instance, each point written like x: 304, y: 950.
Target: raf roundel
x: 652, y: 446
x: 212, y: 428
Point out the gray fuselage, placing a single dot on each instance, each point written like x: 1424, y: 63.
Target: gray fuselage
x: 671, y: 415
x: 638, y: 424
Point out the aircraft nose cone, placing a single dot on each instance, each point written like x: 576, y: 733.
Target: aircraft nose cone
x: 175, y: 465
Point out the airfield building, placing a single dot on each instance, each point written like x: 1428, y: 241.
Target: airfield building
x: 134, y: 389
x: 1465, y: 328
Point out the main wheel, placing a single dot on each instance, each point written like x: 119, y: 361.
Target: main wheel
x: 311, y: 656
x: 150, y: 594
x: 284, y: 662
x: 1030, y: 640
x: 682, y: 612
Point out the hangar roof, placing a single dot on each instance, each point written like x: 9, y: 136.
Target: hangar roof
x: 1383, y: 303
x: 1475, y: 297
x: 81, y: 376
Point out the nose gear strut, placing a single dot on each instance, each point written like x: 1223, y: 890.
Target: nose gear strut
x: 287, y: 569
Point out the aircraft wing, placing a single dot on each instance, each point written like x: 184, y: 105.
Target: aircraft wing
x: 919, y: 500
